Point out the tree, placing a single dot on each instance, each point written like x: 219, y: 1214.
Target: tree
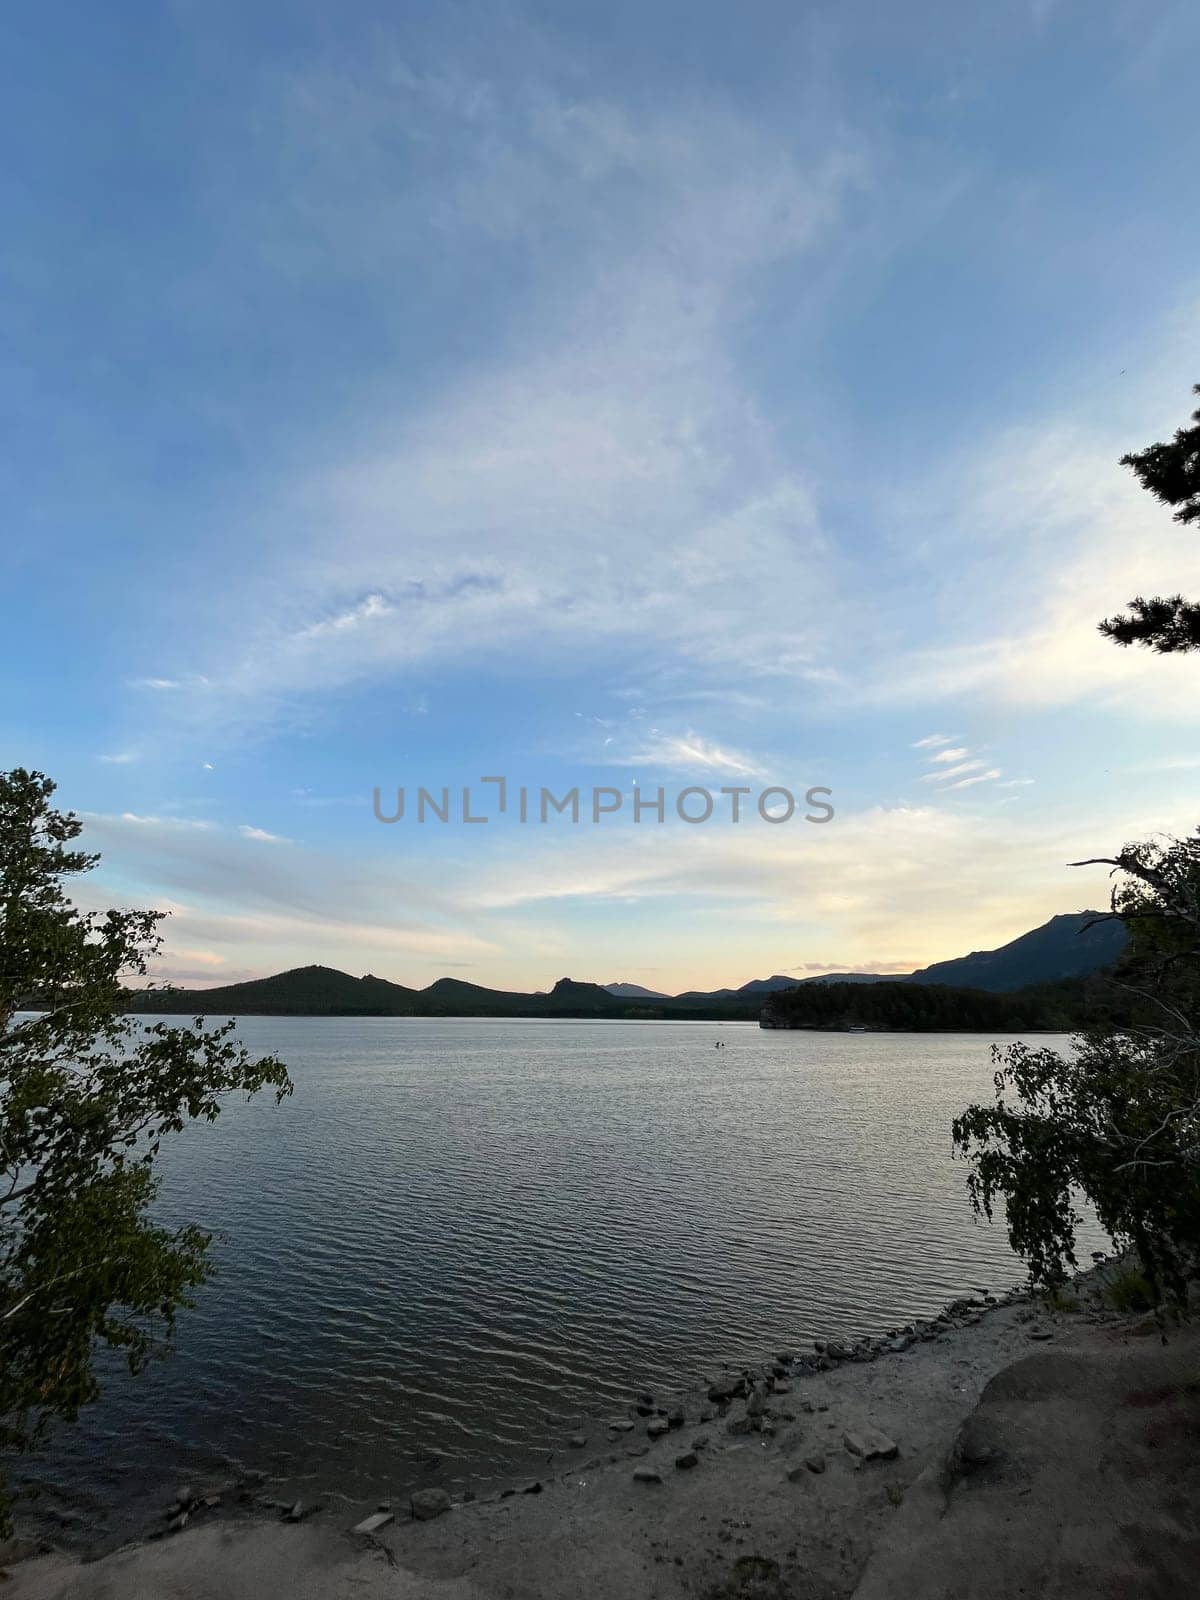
x: 1119, y: 1119
x: 86, y: 1096
x: 1171, y: 472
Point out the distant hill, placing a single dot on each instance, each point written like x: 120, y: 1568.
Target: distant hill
x: 304, y: 991
x: 1065, y: 948
x: 756, y: 986
x: 325, y: 992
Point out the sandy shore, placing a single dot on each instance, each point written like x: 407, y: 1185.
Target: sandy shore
x: 767, y: 1494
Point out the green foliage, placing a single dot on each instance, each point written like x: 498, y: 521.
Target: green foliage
x: 930, y: 1007
x: 1131, y: 1291
x: 1118, y: 1120
x: 1171, y: 472
x: 86, y: 1097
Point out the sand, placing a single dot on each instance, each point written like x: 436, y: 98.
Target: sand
x: 751, y: 1519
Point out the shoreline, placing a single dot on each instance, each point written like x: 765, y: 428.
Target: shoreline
x: 801, y: 1462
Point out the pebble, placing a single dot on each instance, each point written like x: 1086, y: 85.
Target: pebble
x: 657, y: 1426
x: 621, y: 1425
x: 645, y: 1475
x: 687, y: 1461
x: 577, y: 1441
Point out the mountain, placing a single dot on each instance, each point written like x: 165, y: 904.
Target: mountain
x: 1063, y: 949
x: 1068, y: 946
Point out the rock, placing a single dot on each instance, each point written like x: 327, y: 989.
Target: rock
x: 294, y: 1513
x: 707, y: 1413
x: 177, y: 1523
x: 1040, y: 1333
x: 621, y: 1425
x: 742, y: 1424
x: 756, y: 1404
x: 687, y: 1461
x: 676, y: 1418
x: 427, y: 1504
x: 384, y: 1505
x: 785, y: 1357
x: 815, y: 1463
x: 780, y: 1386
x: 185, y: 1497
x: 380, y: 1519
x: 657, y: 1426
x: 577, y: 1441
x: 533, y: 1487
x: 868, y: 1443
x: 795, y: 1474
x: 726, y: 1389
x: 645, y: 1475
x: 700, y: 1442
x: 900, y: 1344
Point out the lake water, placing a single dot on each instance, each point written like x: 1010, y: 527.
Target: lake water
x: 459, y: 1238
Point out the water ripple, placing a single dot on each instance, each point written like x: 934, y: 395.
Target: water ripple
x: 459, y: 1237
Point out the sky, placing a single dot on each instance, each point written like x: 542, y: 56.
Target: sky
x: 595, y: 396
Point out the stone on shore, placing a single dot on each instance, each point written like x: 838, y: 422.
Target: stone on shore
x: 380, y: 1519
x: 427, y: 1504
x: 687, y: 1461
x: 646, y: 1475
x: 869, y: 1443
x: 657, y: 1426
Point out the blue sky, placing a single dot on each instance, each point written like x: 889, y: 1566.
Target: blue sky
x: 680, y: 394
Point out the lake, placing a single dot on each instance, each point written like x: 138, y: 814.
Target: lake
x: 458, y: 1238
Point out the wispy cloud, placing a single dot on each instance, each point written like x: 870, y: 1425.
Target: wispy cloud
x: 955, y: 754
x: 955, y: 768
x: 688, y: 752
x: 261, y: 835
